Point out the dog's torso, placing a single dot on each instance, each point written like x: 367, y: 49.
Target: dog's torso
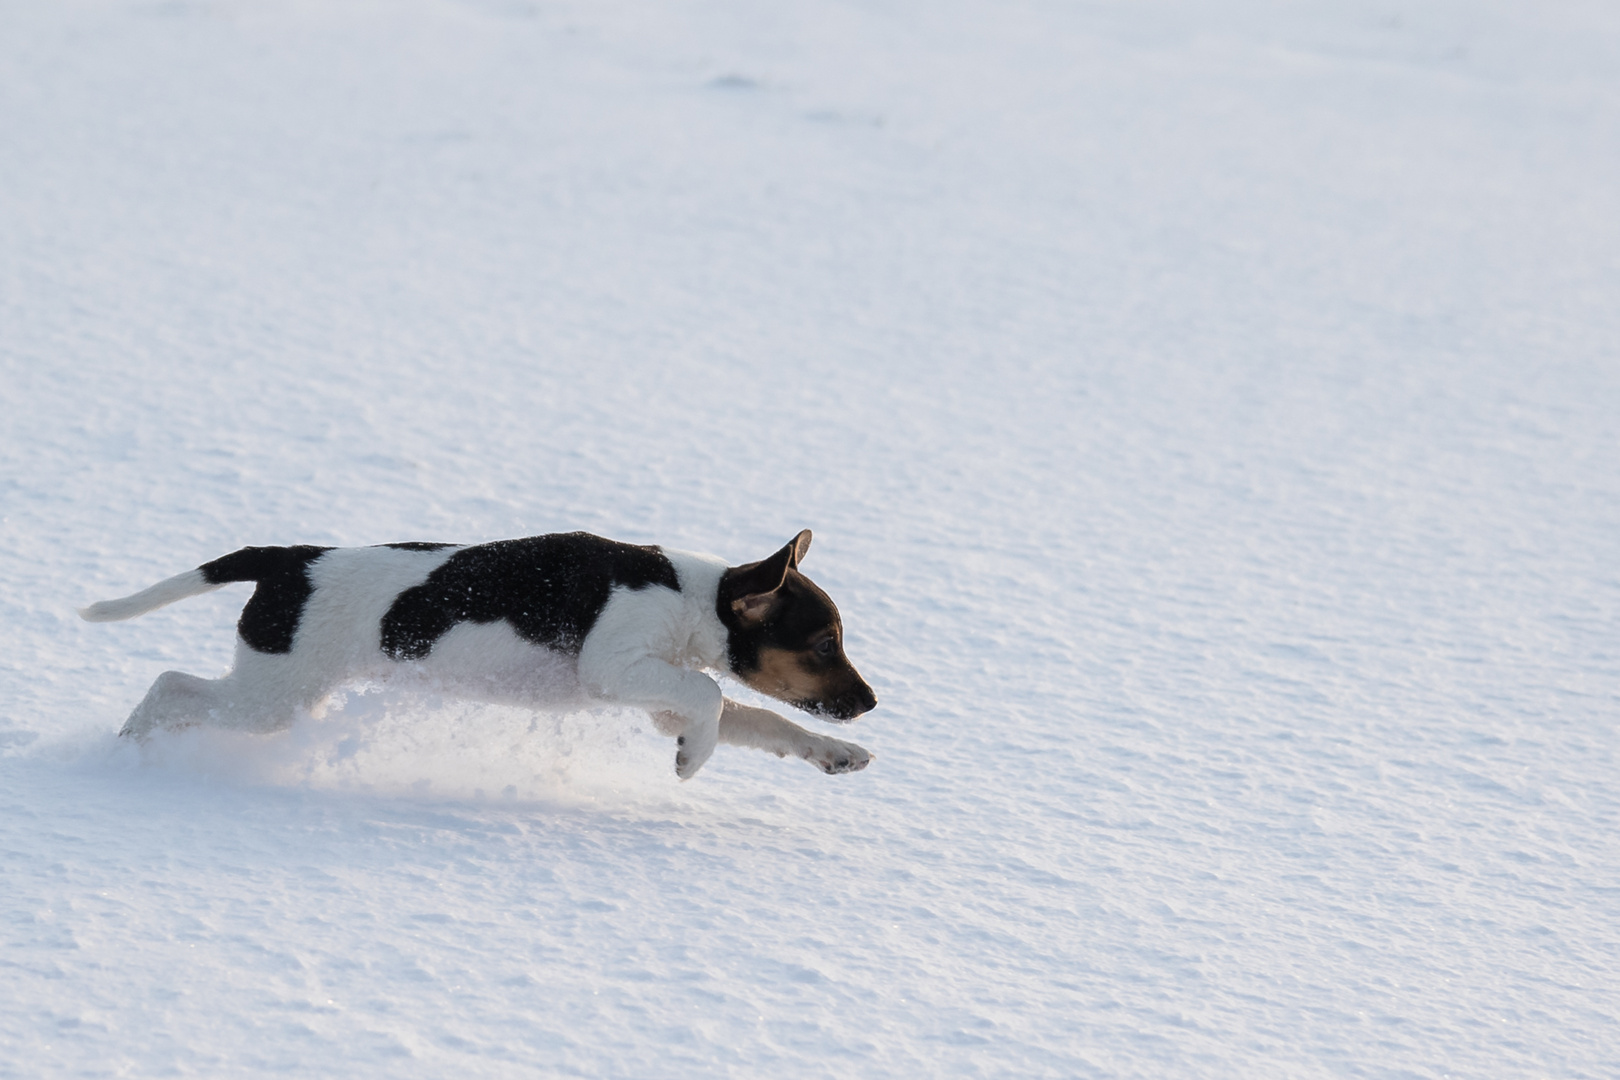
x: 485, y: 614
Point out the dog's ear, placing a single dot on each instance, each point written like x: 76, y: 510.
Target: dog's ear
x: 756, y: 588
x: 800, y: 545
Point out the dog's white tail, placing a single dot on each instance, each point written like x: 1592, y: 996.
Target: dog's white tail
x: 190, y: 583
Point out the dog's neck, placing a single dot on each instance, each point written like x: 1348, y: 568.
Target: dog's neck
x: 706, y: 645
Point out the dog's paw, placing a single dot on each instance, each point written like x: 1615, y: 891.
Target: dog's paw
x: 834, y: 756
x: 687, y: 764
x: 694, y: 748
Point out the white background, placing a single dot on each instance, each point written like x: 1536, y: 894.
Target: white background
x: 1208, y: 418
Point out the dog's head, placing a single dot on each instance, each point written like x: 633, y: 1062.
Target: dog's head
x: 786, y: 639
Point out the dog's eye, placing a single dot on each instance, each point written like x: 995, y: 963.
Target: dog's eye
x: 826, y: 648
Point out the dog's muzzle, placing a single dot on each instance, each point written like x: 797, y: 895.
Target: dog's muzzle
x: 843, y: 708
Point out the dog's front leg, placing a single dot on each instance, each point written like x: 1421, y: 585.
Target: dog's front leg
x: 660, y: 688
x: 762, y: 729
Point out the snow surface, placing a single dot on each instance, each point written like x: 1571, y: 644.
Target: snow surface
x: 1207, y: 414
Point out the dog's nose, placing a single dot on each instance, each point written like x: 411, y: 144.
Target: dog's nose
x: 862, y: 700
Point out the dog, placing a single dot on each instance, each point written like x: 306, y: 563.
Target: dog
x: 540, y: 622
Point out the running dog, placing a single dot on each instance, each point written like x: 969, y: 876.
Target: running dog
x: 541, y: 622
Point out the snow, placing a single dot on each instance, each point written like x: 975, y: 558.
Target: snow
x: 1206, y: 414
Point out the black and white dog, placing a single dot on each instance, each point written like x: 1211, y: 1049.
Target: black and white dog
x: 546, y: 621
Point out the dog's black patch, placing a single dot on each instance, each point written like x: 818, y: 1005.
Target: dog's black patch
x: 417, y: 545
x: 271, y: 617
x: 550, y: 588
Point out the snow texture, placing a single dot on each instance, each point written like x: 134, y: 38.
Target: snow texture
x: 1206, y: 412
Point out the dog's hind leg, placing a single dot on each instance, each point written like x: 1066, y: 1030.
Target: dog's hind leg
x: 175, y: 700
x: 762, y: 729
x: 262, y: 694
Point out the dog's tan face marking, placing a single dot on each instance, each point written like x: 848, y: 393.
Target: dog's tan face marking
x: 782, y: 674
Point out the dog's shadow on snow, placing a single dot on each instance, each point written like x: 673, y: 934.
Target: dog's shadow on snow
x: 398, y: 746
x: 399, y: 756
